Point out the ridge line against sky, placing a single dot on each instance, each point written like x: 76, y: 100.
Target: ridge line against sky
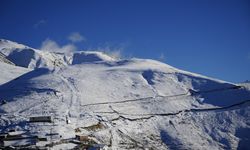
x: 209, y: 37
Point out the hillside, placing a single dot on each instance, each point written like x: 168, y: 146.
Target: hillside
x: 120, y: 104
x: 9, y: 71
x: 3, y: 59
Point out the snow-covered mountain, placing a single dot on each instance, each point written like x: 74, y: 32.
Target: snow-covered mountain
x: 119, y: 104
x: 35, y: 58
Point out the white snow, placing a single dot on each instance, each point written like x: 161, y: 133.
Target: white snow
x: 64, y: 146
x: 6, y: 44
x: 35, y: 58
x: 124, y: 104
x: 10, y: 72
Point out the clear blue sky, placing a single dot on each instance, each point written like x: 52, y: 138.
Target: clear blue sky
x: 210, y: 37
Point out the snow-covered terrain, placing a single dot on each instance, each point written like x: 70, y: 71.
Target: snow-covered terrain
x: 118, y: 104
x: 9, y: 71
x: 28, y: 57
x: 3, y: 59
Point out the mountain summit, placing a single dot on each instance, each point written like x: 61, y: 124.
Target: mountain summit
x: 88, y: 99
x: 28, y: 57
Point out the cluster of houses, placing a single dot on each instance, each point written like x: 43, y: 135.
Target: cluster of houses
x: 17, y: 139
x: 14, y: 139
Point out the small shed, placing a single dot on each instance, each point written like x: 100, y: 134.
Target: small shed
x: 41, y: 119
x: 15, y: 134
x: 19, y: 142
x: 82, y: 137
x: 53, y: 136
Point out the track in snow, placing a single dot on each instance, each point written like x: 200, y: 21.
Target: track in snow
x: 74, y: 101
x: 167, y: 96
x: 151, y: 115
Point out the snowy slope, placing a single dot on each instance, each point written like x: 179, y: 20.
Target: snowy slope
x: 3, y: 59
x: 128, y: 104
x: 89, y: 57
x: 9, y: 71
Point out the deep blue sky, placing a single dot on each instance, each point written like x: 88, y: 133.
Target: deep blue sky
x: 210, y: 37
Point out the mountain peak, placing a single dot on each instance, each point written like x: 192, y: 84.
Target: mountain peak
x: 25, y: 56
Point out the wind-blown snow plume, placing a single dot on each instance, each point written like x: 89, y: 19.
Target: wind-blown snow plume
x: 52, y: 46
x: 112, y: 51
